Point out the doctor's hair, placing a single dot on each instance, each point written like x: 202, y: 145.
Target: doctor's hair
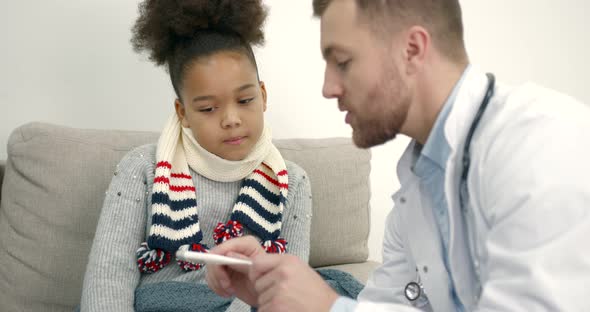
x: 441, y: 18
x: 176, y: 33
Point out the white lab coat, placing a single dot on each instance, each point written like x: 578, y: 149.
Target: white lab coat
x: 529, y: 186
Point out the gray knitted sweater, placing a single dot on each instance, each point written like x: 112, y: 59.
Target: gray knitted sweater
x: 112, y: 274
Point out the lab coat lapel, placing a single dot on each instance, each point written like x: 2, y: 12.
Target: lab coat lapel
x: 458, y: 123
x: 422, y: 233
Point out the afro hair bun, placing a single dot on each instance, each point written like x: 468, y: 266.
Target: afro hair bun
x: 164, y: 24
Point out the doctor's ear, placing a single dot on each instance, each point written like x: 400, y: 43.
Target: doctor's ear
x: 181, y: 113
x: 417, y: 46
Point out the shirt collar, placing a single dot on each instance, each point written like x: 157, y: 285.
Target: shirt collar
x: 437, y: 149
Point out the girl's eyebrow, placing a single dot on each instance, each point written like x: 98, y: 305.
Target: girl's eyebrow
x: 203, y: 98
x: 211, y: 97
x: 244, y: 87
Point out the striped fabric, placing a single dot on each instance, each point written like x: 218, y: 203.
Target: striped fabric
x: 261, y: 200
x: 175, y: 220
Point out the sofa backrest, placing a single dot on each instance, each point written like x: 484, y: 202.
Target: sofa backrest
x: 54, y: 184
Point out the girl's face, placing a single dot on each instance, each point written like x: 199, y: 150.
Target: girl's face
x: 223, y: 104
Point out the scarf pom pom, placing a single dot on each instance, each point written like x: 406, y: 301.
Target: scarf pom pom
x: 189, y: 266
x: 227, y: 231
x: 151, y: 260
x: 278, y: 245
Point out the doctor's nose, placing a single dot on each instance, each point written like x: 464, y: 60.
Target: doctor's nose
x: 332, y: 87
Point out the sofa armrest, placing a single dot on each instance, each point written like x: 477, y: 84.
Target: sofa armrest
x: 2, y: 165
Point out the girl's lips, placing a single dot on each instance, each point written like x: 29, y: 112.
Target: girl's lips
x: 235, y: 141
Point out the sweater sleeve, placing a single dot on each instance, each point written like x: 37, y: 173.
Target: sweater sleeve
x: 297, y: 213
x: 111, y: 274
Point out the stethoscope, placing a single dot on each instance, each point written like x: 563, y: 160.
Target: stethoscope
x: 415, y: 289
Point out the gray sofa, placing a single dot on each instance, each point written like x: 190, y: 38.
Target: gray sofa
x: 52, y: 186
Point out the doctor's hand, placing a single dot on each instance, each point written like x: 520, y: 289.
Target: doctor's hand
x: 285, y: 283
x: 229, y: 281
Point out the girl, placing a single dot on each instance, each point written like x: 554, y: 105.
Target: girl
x: 213, y: 175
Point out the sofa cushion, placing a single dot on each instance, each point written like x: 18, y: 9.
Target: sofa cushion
x: 339, y: 176
x: 54, y: 186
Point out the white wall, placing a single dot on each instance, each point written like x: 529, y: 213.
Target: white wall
x: 70, y: 62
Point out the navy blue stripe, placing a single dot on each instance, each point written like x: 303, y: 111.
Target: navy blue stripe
x: 248, y: 200
x: 156, y: 241
x: 168, y: 222
x: 177, y: 205
x: 260, y: 231
x: 268, y: 195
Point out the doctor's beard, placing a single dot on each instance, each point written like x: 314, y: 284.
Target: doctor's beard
x: 383, y: 112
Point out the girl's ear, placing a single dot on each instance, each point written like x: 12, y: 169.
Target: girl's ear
x: 181, y: 113
x: 263, y: 90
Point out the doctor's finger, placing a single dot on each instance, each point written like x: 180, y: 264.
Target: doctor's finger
x: 268, y: 296
x: 239, y: 268
x: 264, y: 263
x: 247, y: 245
x: 265, y: 284
x: 219, y: 280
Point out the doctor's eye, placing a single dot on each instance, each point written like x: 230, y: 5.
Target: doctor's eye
x: 343, y: 66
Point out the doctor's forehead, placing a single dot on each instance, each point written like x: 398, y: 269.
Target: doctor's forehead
x: 339, y: 27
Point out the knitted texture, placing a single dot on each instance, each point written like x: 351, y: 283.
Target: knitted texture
x: 112, y: 275
x: 177, y: 296
x: 175, y: 220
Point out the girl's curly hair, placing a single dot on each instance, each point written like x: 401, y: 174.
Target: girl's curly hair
x: 176, y: 32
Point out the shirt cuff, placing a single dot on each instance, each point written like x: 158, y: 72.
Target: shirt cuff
x: 344, y: 304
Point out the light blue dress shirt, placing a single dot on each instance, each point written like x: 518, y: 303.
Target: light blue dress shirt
x: 430, y: 167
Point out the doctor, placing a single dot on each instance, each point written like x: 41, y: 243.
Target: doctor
x: 493, y: 213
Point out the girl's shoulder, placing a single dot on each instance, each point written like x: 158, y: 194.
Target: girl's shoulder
x: 296, y: 175
x: 141, y: 156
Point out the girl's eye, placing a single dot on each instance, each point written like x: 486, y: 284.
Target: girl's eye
x: 206, y: 110
x: 246, y: 101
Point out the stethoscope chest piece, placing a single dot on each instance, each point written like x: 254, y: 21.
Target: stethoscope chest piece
x: 413, y: 291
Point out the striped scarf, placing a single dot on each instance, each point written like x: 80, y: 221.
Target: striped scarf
x: 175, y: 220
